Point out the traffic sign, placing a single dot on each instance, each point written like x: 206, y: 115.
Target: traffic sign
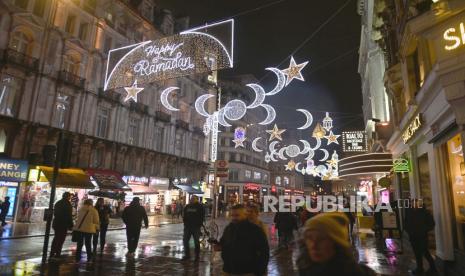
x: 222, y: 168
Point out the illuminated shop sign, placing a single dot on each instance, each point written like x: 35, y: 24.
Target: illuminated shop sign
x: 354, y: 141
x: 199, y: 50
x: 401, y: 165
x: 455, y: 37
x: 412, y: 128
x: 136, y: 180
x: 13, y: 170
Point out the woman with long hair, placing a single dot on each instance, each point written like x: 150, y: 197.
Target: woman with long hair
x: 104, y: 213
x: 325, y: 248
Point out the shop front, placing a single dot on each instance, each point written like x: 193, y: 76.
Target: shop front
x: 140, y: 187
x: 232, y: 195
x: 12, y: 173
x: 163, y: 196
x: 34, y: 195
x: 251, y: 193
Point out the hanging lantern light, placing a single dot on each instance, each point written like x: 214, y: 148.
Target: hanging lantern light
x: 318, y: 131
x: 327, y: 122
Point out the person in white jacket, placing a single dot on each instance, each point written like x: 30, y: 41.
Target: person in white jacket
x: 87, y: 224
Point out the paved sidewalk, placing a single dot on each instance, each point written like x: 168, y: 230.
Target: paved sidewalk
x: 25, y: 230
x: 160, y: 252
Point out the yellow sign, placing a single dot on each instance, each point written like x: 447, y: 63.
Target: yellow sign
x: 412, y: 128
x: 455, y: 37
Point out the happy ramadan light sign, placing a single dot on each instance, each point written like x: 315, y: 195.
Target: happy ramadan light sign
x: 194, y: 51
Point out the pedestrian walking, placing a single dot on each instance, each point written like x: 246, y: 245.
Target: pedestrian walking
x: 87, y: 224
x: 4, y: 207
x: 133, y: 216
x: 178, y: 209
x: 243, y: 245
x: 286, y: 224
x: 253, y: 212
x: 104, y: 212
x: 193, y: 218
x: 173, y: 209
x: 62, y: 222
x: 418, y: 222
x: 325, y: 248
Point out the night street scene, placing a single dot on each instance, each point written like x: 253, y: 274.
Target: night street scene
x: 232, y: 137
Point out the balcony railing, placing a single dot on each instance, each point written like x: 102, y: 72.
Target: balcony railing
x: 162, y: 116
x: 182, y: 124
x: 110, y: 95
x: 71, y: 79
x: 11, y: 56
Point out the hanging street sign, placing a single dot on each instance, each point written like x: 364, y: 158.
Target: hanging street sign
x: 222, y: 168
x: 199, y: 50
x: 354, y: 141
x: 401, y: 165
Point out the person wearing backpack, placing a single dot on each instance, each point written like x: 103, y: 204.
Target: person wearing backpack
x: 418, y: 222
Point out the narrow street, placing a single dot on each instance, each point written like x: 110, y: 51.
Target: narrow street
x: 160, y: 252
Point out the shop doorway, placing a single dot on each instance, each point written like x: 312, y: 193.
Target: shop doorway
x: 425, y: 191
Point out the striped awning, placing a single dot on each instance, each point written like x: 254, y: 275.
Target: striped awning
x: 365, y: 164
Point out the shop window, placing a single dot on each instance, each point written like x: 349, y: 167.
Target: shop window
x: 20, y: 42
x: 9, y: 95
x: 2, y: 140
x: 39, y: 7
x: 133, y: 131
x: 103, y: 118
x: 457, y: 179
x: 62, y: 111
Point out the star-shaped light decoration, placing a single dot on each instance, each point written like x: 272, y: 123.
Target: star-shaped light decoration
x: 275, y: 133
x: 293, y: 71
x: 290, y: 165
x: 132, y: 91
x: 239, y: 142
x: 332, y: 162
x: 332, y: 138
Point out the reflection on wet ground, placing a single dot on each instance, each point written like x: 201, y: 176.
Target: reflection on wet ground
x: 161, y: 250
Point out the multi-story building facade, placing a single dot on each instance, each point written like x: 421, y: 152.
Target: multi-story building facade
x: 249, y: 177
x: 425, y: 76
x: 52, y: 72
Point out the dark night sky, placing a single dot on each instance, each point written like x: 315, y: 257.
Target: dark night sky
x: 266, y: 37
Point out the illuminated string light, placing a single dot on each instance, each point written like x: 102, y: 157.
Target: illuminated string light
x: 164, y: 98
x: 270, y: 114
x: 259, y: 95
x: 200, y: 104
x: 254, y: 145
x: 281, y: 77
x: 326, y: 155
x: 293, y: 71
x: 308, y: 117
x: 332, y: 138
x: 275, y: 133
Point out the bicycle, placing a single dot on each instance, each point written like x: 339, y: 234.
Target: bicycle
x: 208, y: 233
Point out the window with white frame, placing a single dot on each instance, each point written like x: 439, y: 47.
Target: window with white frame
x: 257, y: 175
x: 9, y: 95
x: 286, y: 180
x: 277, y: 180
x: 248, y: 174
x: 103, y: 120
x: 62, y: 110
x: 133, y: 131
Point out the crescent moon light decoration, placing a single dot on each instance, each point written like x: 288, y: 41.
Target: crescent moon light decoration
x: 271, y: 114
x: 221, y: 119
x: 297, y: 167
x: 281, y: 153
x: 164, y: 98
x: 326, y: 155
x: 259, y: 95
x: 200, y: 104
x: 311, y: 154
x: 254, y: 144
x: 307, y: 146
x: 308, y: 117
x: 281, y: 81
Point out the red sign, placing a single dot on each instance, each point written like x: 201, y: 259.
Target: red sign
x: 222, y: 168
x: 252, y: 187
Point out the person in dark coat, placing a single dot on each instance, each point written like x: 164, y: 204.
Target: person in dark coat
x: 243, y: 245
x: 286, y: 224
x: 62, y: 222
x: 418, y: 222
x: 325, y: 248
x: 104, y: 212
x: 4, y: 207
x: 133, y: 215
x: 193, y: 218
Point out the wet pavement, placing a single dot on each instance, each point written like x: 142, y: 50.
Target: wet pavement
x: 160, y: 252
x: 23, y: 229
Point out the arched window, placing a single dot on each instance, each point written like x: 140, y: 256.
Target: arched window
x: 72, y: 64
x: 286, y: 180
x: 10, y: 89
x: 2, y: 140
x: 20, y: 42
x: 278, y: 180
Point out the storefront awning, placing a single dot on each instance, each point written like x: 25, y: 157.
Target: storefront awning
x: 189, y: 189
x: 142, y: 189
x: 108, y: 180
x: 68, y: 178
